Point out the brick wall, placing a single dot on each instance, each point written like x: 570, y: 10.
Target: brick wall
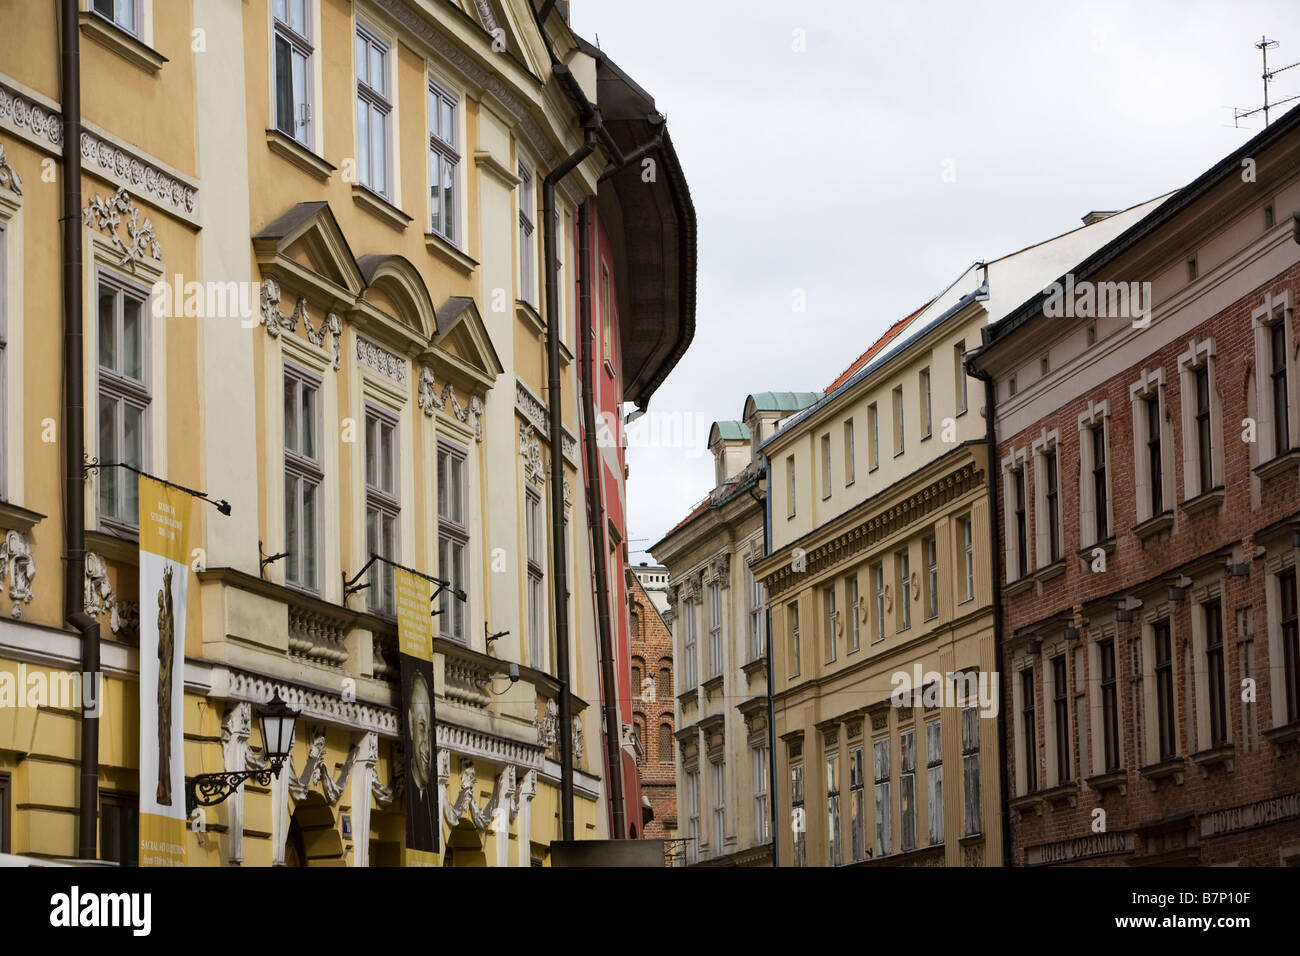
x: 652, y: 708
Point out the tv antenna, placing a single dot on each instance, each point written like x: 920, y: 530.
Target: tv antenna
x: 1263, y: 46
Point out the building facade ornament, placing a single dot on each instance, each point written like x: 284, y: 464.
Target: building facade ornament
x: 430, y: 400
x: 579, y: 741
x: 531, y: 450
x: 315, y: 771
x: 43, y: 126
x: 9, y: 178
x: 106, y: 215
x: 236, y: 727
x: 313, y: 704
x: 548, y: 728
x: 722, y: 569
x: 123, y: 616
x: 331, y: 325
x: 534, y: 410
x: 18, y: 564
x: 381, y: 360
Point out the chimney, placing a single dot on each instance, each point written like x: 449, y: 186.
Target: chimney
x: 1097, y: 215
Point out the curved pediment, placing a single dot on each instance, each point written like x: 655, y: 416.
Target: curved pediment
x: 395, y: 287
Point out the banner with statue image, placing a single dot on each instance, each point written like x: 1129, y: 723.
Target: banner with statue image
x: 419, y: 736
x: 164, y: 581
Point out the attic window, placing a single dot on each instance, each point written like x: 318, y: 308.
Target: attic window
x: 1268, y: 216
x: 1191, y: 269
x: 1092, y: 335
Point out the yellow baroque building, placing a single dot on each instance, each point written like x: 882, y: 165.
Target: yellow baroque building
x: 312, y: 286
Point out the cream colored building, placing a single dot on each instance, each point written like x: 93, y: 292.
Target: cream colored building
x: 366, y: 179
x: 719, y: 623
x: 880, y: 588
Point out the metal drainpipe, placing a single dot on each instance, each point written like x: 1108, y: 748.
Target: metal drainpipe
x: 596, y: 509
x: 559, y: 574
x: 74, y: 524
x: 995, y: 556
x: 771, y: 680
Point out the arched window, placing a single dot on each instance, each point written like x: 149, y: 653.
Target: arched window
x: 636, y: 680
x: 636, y: 626
x: 665, y: 743
x: 665, y: 682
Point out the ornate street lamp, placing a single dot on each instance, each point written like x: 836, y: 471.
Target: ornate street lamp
x: 277, y: 720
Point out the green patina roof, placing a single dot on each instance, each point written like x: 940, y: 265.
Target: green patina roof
x: 732, y: 431
x: 783, y: 401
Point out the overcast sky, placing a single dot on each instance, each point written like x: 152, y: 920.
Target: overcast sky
x: 823, y: 170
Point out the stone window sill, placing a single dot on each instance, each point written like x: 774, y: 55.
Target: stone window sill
x: 1148, y: 529
x: 116, y: 40
x: 1208, y: 501
x: 295, y: 152
x: 1287, y: 461
x: 1222, y: 755
x: 1018, y: 586
x: 1055, y: 569
x: 1111, y: 780
x: 1154, y: 773
x: 380, y: 208
x: 448, y: 253
x: 527, y: 313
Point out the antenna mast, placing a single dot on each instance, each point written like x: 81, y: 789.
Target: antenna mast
x: 1263, y: 46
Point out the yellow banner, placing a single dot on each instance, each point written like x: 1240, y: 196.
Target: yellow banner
x: 414, y: 625
x: 164, y: 587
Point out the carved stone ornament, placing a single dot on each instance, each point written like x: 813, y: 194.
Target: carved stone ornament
x: 381, y: 360
x: 430, y: 400
x: 331, y: 325
x: 98, y: 597
x: 548, y: 728
x: 315, y: 771
x: 9, y: 177
x: 18, y: 564
x: 531, y: 449
x: 579, y: 741
x: 568, y: 495
x: 106, y: 216
x: 722, y: 569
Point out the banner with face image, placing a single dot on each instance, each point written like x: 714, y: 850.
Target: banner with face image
x: 415, y: 643
x: 164, y: 580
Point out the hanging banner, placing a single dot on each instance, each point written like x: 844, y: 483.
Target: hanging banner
x: 415, y: 644
x: 164, y: 579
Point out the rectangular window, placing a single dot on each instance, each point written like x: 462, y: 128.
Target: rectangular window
x: 1061, y: 717
x: 1155, y: 454
x: 970, y: 771
x: 878, y: 582
x: 4, y: 341
x: 719, y: 807
x: 926, y: 423
x: 293, y: 68
x: 527, y: 245
x: 688, y: 643
x: 5, y: 815
x: 798, y: 818
x: 789, y: 486
x: 1204, y: 442
x: 832, y: 622
x: 453, y: 541
x: 535, y: 535
x: 793, y: 613
x: 665, y: 743
x: 382, y: 508
x: 857, y: 806
x: 1215, y: 673
x: 851, y: 608
x: 826, y: 467
x: 762, y: 770
x: 898, y: 421
x: 903, y: 589
x: 1099, y: 482
x: 884, y: 813
x: 1280, y: 391
x: 873, y: 435
x: 934, y: 778
x: 931, y: 547
x: 959, y: 373
x: 126, y: 13
x: 606, y: 315
x: 692, y: 816
x: 119, y: 827
x: 1166, y: 716
x: 907, y: 790
x: 1290, y: 628
x: 123, y: 398
x: 715, y: 629
x: 374, y: 109
x: 1022, y: 522
x: 1029, y: 729
x: 1052, y: 498
x: 757, y: 626
x: 833, y: 809
x: 850, y: 464
x: 444, y: 162
x: 1109, y: 704
x: 303, y: 475
x: 968, y: 553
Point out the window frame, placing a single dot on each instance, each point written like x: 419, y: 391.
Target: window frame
x: 453, y: 538
x: 123, y: 390
x: 930, y: 549
x: 792, y: 623
x: 375, y: 100
x: 385, y: 503
x: 850, y: 465
x: 298, y: 42
x: 444, y: 154
x: 303, y: 468
x: 137, y: 13
x: 536, y: 600
x: 927, y: 406
x: 527, y: 242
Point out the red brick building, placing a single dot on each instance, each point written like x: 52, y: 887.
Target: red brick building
x: 652, y: 710
x: 1147, y: 420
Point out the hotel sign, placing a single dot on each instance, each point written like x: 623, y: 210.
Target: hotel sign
x: 1260, y: 814
x: 1083, y: 848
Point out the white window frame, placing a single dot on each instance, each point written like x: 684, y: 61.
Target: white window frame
x: 850, y: 454
x: 535, y: 550
x: 691, y: 676
x: 1151, y: 384
x: 379, y: 102
x: 934, y: 780
x: 453, y: 540
x: 715, y: 629
x: 1045, y: 447
x: 792, y: 622
x: 1275, y: 310
x: 719, y: 806
x: 1017, y: 463
x: 299, y: 42
x: 881, y: 595
x: 385, y: 504
x: 761, y: 768
x: 123, y: 390
x: 831, y: 621
x: 304, y: 469
x: 1096, y: 416
x: 444, y: 158
x: 135, y: 28
x: 757, y: 623
x: 527, y: 236
x: 1200, y: 355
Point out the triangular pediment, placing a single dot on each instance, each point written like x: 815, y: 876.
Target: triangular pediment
x: 513, y: 29
x: 463, y: 351
x: 305, y: 250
